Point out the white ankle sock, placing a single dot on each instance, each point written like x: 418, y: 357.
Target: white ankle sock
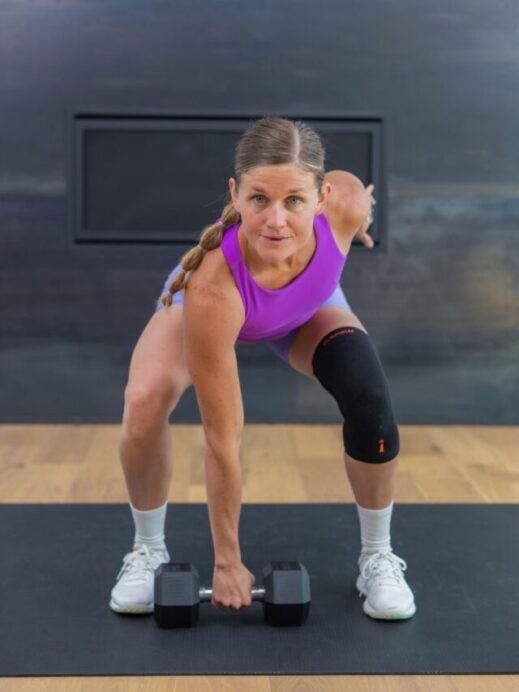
x: 149, y: 526
x: 374, y: 528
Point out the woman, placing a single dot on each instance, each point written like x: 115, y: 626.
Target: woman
x: 268, y: 270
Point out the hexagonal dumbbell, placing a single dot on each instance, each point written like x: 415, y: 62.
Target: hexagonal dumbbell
x: 285, y: 594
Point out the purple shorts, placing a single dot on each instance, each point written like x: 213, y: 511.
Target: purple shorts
x: 280, y: 346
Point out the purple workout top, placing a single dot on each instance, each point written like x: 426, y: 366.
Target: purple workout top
x: 271, y: 314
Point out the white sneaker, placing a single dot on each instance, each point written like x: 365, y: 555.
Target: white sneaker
x: 133, y: 592
x: 381, y: 580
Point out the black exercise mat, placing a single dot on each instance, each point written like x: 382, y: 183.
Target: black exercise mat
x: 59, y: 563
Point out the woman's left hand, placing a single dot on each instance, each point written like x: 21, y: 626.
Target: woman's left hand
x: 362, y: 234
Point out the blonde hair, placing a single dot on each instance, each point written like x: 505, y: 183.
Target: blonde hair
x: 269, y: 141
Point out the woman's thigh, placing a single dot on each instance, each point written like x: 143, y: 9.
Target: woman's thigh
x: 157, y: 366
x: 309, y: 334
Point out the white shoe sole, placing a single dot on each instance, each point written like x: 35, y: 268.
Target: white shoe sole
x: 393, y: 614
x: 389, y: 614
x: 134, y: 608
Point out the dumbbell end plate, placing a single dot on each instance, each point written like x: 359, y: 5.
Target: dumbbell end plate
x: 171, y: 617
x: 291, y: 614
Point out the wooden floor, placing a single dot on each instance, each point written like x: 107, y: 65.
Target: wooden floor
x: 79, y: 463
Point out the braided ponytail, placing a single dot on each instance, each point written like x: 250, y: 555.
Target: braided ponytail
x: 210, y: 239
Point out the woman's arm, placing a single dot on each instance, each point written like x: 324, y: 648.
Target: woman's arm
x: 344, y: 180
x: 349, y: 206
x: 212, y: 321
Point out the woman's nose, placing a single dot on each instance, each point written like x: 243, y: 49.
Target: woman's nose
x: 276, y: 217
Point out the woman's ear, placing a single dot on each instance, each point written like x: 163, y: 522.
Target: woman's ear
x: 234, y: 194
x: 323, y: 197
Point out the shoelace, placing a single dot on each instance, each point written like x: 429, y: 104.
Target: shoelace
x: 386, y: 567
x: 136, y: 565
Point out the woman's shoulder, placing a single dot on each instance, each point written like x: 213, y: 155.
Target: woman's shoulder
x: 214, y: 276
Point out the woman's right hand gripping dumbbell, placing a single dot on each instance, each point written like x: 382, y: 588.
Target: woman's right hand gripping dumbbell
x: 232, y: 584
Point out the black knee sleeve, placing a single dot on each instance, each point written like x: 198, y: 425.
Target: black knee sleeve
x: 347, y: 365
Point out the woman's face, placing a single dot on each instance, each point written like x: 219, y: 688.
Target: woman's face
x: 277, y: 206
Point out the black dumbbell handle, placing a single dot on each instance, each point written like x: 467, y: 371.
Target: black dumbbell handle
x: 257, y: 593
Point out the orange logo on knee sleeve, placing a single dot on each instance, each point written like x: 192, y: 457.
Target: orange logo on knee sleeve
x: 381, y: 446
x: 342, y: 331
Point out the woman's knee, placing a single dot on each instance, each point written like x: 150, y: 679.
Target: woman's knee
x: 147, y: 406
x: 347, y: 364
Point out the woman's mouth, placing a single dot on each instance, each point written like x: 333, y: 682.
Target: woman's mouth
x: 273, y: 239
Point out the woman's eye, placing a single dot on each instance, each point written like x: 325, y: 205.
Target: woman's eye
x: 256, y: 197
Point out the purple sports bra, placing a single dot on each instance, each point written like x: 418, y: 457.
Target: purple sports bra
x: 271, y: 314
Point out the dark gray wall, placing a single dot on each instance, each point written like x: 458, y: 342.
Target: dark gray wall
x: 442, y: 304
